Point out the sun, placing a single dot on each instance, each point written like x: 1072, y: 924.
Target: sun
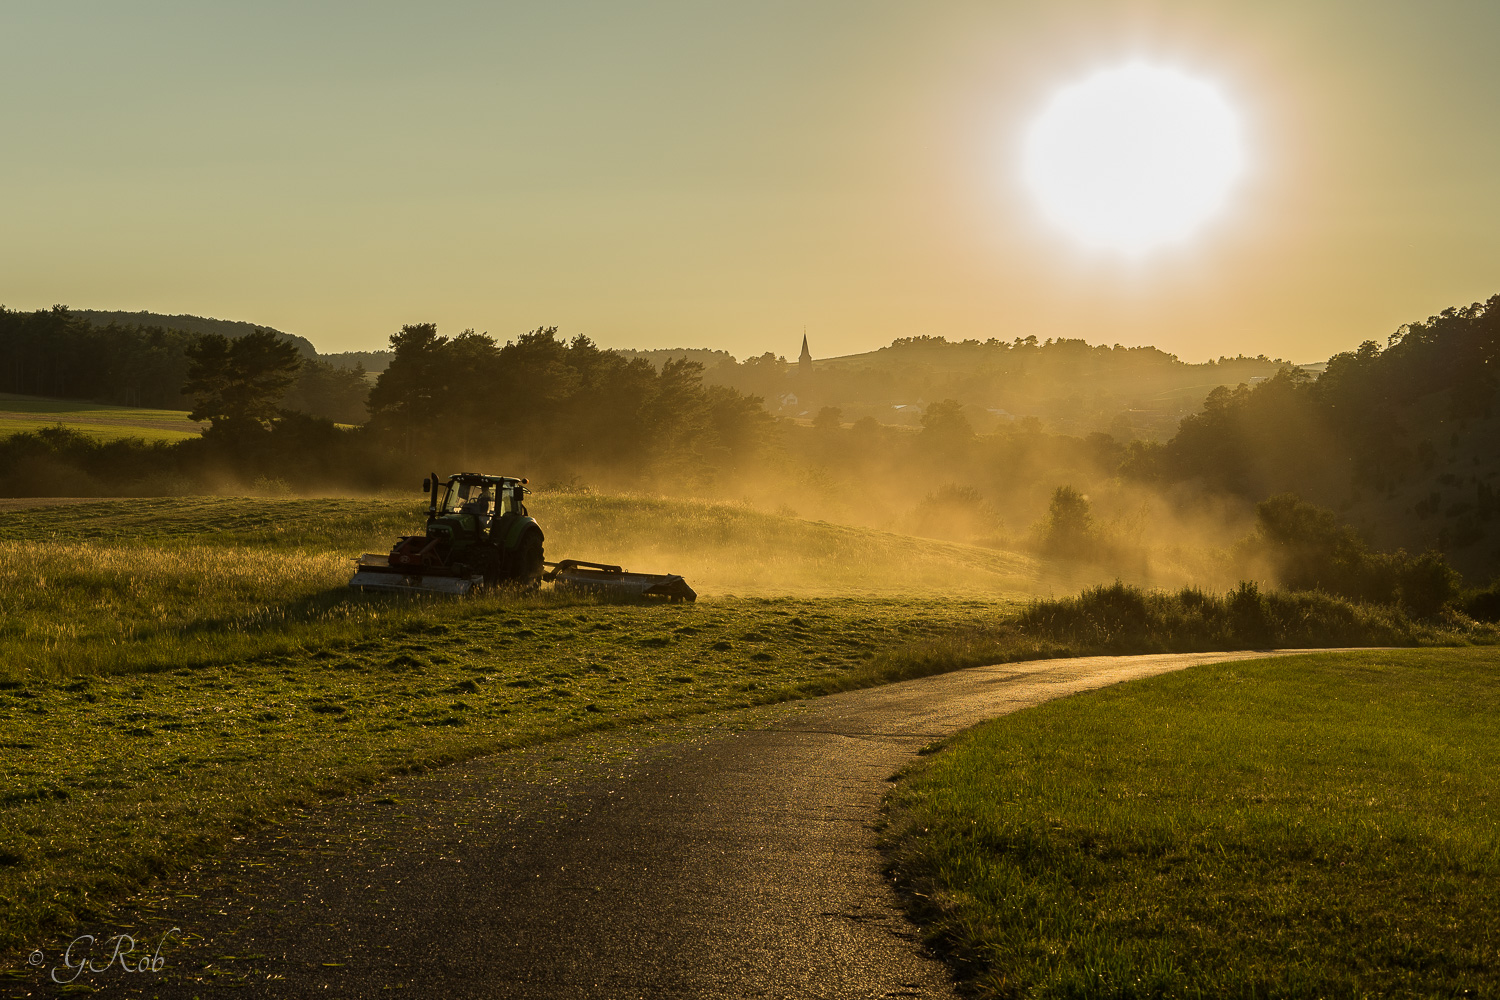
x: 1133, y: 158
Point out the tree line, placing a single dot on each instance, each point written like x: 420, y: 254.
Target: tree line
x: 566, y: 403
x: 563, y: 409
x: 58, y: 352
x: 1375, y: 417
x: 1402, y: 426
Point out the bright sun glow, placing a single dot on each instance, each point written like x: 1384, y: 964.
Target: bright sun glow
x: 1133, y: 158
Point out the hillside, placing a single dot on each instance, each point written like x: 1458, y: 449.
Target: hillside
x: 140, y: 360
x: 196, y: 325
x: 704, y: 356
x: 1069, y: 385
x: 1400, y: 440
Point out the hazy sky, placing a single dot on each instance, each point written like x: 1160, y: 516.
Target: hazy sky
x: 660, y: 174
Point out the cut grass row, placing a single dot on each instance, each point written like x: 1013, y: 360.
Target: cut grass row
x: 1312, y: 826
x: 123, y: 586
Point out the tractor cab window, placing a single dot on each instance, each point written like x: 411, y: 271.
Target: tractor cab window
x: 509, y: 501
x: 454, y: 498
x: 469, y: 498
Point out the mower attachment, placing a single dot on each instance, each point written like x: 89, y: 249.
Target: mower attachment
x: 374, y: 572
x: 605, y: 579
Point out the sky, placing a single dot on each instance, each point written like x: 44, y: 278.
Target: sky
x: 668, y: 173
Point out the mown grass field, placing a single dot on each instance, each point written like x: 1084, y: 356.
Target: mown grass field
x: 125, y: 585
x: 100, y: 420
x: 174, y: 672
x: 1315, y: 826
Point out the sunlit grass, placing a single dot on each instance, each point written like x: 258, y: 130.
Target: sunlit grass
x: 20, y: 414
x: 119, y: 585
x: 173, y: 671
x: 1302, y: 827
x: 107, y: 780
x: 81, y: 608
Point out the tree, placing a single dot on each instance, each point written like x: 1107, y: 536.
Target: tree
x: 240, y: 381
x: 828, y: 420
x: 1068, y: 530
x: 946, y: 424
x: 406, y: 394
x: 322, y: 390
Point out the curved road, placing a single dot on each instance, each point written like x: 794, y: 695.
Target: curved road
x: 733, y: 865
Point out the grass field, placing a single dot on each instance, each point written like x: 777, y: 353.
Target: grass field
x: 118, y: 586
x: 177, y: 671
x: 1315, y: 826
x: 173, y: 672
x: 100, y: 420
x: 109, y: 779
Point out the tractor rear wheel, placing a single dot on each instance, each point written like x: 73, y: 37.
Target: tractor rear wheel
x: 528, y: 563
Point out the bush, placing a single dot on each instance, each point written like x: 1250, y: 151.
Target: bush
x: 1483, y: 605
x: 955, y: 512
x: 1312, y: 550
x: 1119, y: 618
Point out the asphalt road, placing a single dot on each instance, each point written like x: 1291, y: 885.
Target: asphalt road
x: 731, y: 863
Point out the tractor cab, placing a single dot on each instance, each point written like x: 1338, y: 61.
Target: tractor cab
x: 469, y: 504
x: 478, y: 534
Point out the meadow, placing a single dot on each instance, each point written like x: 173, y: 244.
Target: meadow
x: 177, y: 672
x: 127, y: 585
x: 31, y: 413
x: 1311, y: 826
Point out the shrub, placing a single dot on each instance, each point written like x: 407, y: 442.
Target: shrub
x: 1483, y: 605
x: 1312, y: 550
x: 1119, y: 618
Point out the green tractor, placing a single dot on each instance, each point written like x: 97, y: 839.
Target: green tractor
x: 478, y: 535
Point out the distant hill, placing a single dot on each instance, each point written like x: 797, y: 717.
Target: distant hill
x: 376, y: 362
x: 1071, y: 386
x: 196, y: 325
x: 373, y: 362
x: 706, y: 357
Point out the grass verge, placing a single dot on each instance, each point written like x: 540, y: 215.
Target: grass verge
x: 1311, y: 826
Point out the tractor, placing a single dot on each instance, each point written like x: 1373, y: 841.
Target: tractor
x: 479, y: 534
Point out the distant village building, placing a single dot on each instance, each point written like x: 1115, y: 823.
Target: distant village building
x: 804, y: 363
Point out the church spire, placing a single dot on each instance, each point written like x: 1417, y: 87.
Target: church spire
x: 805, y: 361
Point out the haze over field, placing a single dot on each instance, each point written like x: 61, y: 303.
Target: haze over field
x: 1052, y: 261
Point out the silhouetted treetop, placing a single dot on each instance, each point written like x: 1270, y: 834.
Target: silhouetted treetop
x: 242, y: 380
